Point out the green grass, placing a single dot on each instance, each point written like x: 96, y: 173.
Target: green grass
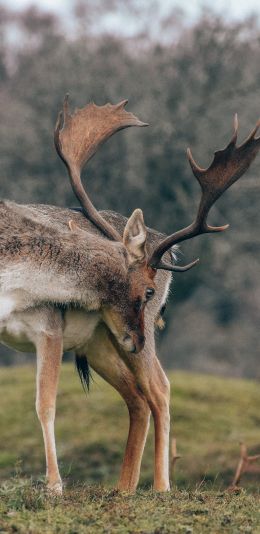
x: 210, y: 416
x: 27, y: 509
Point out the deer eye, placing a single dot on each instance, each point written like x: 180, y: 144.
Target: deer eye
x: 149, y: 293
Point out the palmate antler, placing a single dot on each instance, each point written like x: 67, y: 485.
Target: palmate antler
x: 226, y: 168
x: 77, y: 137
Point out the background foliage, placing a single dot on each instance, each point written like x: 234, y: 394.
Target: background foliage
x: 187, y: 81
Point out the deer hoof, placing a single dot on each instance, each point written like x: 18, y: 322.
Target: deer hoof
x: 54, y: 489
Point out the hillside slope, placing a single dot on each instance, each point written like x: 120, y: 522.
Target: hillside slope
x: 211, y: 415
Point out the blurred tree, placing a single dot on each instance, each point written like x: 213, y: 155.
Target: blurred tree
x: 187, y: 87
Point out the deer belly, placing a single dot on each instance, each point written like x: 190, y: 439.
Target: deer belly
x: 79, y: 326
x: 20, y: 330
x: 13, y: 333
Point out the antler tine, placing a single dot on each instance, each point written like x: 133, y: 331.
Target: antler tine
x: 77, y: 137
x: 228, y: 165
x: 177, y: 268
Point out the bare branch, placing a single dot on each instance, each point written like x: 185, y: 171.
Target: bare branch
x: 174, y: 457
x: 242, y: 466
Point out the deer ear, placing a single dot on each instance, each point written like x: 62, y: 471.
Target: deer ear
x: 134, y: 237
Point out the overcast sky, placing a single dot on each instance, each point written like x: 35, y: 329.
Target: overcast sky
x: 236, y: 9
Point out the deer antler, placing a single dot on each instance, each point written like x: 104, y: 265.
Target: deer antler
x: 77, y: 137
x: 227, y: 167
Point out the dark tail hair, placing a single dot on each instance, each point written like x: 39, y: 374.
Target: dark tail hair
x: 84, y: 372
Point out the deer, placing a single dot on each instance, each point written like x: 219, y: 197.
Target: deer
x: 95, y: 283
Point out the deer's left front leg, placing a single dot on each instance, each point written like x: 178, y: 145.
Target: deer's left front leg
x: 49, y: 355
x: 158, y: 397
x: 155, y: 386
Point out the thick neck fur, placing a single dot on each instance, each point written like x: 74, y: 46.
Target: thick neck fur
x: 52, y: 264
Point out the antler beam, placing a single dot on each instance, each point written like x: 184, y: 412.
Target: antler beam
x: 77, y: 137
x: 227, y: 167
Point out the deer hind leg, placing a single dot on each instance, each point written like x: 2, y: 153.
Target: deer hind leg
x: 49, y: 355
x: 105, y: 360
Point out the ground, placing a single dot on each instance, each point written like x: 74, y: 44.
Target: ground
x: 210, y: 416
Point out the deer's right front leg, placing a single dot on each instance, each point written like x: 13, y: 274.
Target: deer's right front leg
x: 49, y: 355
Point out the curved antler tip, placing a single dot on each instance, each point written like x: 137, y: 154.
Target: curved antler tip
x: 66, y: 106
x: 121, y: 105
x: 140, y: 123
x: 197, y: 171
x: 174, y: 268
x: 212, y: 229
x: 192, y: 264
x: 189, y: 156
x: 224, y: 227
x: 235, y: 126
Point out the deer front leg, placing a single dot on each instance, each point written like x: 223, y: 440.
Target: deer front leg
x: 105, y: 360
x: 155, y: 387
x: 158, y: 397
x: 144, y: 386
x: 49, y: 354
x: 139, y: 418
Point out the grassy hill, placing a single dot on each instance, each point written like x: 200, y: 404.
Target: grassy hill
x: 209, y: 417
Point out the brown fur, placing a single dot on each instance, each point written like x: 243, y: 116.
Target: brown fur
x: 138, y: 378
x: 41, y: 238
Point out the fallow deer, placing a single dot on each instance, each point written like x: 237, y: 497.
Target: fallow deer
x: 86, y: 289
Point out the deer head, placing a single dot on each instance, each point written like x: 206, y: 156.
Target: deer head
x: 77, y: 137
x: 128, y: 285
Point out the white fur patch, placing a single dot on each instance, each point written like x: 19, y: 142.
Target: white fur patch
x: 79, y: 328
x: 7, y: 305
x: 174, y: 253
x: 166, y: 291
